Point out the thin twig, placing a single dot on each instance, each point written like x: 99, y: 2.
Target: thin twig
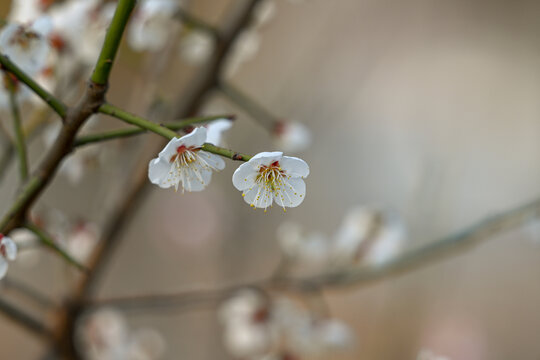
x: 20, y: 144
x: 123, y: 133
x: 165, y: 132
x: 55, y: 104
x: 49, y: 242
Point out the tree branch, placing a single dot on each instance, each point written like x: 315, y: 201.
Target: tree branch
x: 24, y: 319
x: 108, y: 52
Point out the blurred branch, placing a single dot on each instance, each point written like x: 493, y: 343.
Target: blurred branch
x: 258, y: 112
x: 23, y: 319
x: 108, y: 52
x: 122, y: 133
x: 29, y: 292
x: 448, y: 246
x: 49, y: 242
x: 52, y: 101
x: 166, y: 132
x: 191, y: 20
x: 18, y: 130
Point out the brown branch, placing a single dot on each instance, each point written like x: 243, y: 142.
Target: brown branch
x: 452, y: 245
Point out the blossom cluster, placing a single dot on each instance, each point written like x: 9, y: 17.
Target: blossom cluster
x: 266, y: 178
x: 366, y: 235
x: 105, y: 335
x: 259, y: 327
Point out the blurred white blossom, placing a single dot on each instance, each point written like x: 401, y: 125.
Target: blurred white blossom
x: 8, y: 251
x: 151, y: 24
x: 257, y: 327
x: 366, y: 235
x: 196, y: 47
x: 426, y: 354
x: 292, y: 136
x: 105, y: 335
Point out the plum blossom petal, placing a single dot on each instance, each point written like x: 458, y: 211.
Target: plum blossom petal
x: 216, y: 129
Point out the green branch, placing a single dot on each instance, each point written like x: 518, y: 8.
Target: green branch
x: 52, y: 101
x: 122, y: 133
x: 165, y: 132
x: 19, y: 134
x: 106, y: 58
x: 47, y: 241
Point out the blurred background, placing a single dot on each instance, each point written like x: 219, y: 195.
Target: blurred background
x: 426, y: 107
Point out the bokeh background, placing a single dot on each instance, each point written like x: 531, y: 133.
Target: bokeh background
x: 428, y: 107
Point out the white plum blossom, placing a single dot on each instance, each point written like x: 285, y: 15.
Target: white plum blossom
x: 8, y: 251
x: 245, y: 318
x: 183, y: 162
x: 426, y: 354
x: 27, y: 46
x: 368, y: 235
x: 259, y: 327
x: 196, y: 47
x: 292, y: 136
x: 151, y: 25
x: 215, y: 130
x: 79, y: 26
x: 271, y: 177
x: 312, y: 251
x: 105, y: 335
x: 25, y: 11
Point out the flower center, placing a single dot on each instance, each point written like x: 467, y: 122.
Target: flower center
x: 270, y: 176
x: 184, y: 155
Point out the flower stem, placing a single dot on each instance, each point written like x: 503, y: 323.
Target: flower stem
x: 47, y: 241
x: 19, y: 134
x: 57, y: 105
x: 122, y: 133
x: 165, y: 132
x: 106, y: 58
